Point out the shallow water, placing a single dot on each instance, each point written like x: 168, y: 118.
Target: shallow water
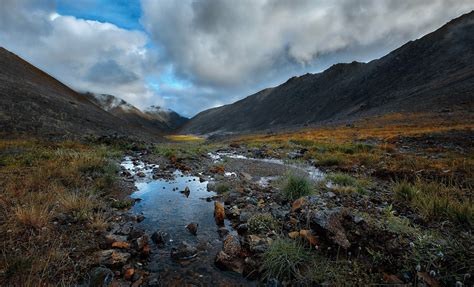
x: 169, y: 210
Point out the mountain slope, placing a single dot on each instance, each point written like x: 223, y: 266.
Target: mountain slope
x: 155, y: 120
x: 35, y: 104
x: 429, y: 74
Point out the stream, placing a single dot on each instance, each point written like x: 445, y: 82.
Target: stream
x: 168, y: 209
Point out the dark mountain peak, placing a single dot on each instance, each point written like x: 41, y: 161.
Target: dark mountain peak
x: 425, y: 75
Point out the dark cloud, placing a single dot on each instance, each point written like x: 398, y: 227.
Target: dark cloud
x: 227, y: 45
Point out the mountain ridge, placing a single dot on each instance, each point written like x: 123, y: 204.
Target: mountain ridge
x: 426, y: 74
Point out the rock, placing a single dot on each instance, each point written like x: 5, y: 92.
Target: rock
x: 295, y: 155
x: 142, y: 242
x: 219, y: 213
x: 245, y: 216
x: 391, y: 279
x: 294, y: 234
x: 222, y: 231
x: 141, y: 174
x: 140, y: 218
x: 112, y: 257
x: 120, y: 244
x: 228, y: 263
x: 246, y: 176
x: 330, y: 194
x: 330, y: 221
x: 257, y: 244
x: 233, y: 212
x: 211, y: 186
x: 160, y: 238
x: 111, y: 238
x: 231, y: 245
x: 309, y: 237
x: 242, y: 228
x: 129, y: 274
x: 192, y: 228
x: 101, y: 277
x: 298, y: 204
x: 183, y: 251
x: 186, y: 191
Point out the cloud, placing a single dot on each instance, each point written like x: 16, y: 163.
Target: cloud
x: 87, y: 55
x: 229, y: 44
x: 222, y: 50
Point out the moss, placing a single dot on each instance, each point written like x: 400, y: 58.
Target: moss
x: 262, y: 222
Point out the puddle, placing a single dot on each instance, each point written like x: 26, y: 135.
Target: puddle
x: 167, y: 209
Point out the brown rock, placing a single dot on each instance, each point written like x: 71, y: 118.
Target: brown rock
x: 298, y: 204
x: 308, y: 236
x: 122, y: 245
x: 129, y: 274
x: 219, y: 213
x: 192, y: 228
x: 294, y: 234
x: 231, y: 245
x: 111, y: 257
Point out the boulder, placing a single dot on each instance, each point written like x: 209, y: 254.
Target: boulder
x: 231, y: 245
x: 330, y: 221
x: 219, y: 213
x: 160, y: 238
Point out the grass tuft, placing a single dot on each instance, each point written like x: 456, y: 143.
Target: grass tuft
x: 296, y: 186
x: 284, y: 259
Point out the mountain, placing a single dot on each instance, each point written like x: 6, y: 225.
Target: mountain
x: 155, y: 119
x: 34, y: 103
x: 432, y: 73
x: 172, y: 118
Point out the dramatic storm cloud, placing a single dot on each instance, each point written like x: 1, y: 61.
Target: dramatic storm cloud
x: 190, y: 55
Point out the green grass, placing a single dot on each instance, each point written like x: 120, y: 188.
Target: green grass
x: 348, y: 183
x: 296, y: 186
x: 284, y: 259
x: 437, y: 201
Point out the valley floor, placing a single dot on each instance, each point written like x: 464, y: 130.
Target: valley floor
x: 385, y: 201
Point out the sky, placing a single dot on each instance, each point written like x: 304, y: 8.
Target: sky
x: 191, y: 55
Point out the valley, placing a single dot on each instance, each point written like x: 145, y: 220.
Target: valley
x: 359, y: 175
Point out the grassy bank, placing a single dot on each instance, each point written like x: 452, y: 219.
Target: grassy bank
x: 54, y: 199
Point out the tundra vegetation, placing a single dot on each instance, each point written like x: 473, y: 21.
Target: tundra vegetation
x: 395, y: 204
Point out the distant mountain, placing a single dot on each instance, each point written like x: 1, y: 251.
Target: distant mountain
x: 432, y: 73
x: 172, y: 118
x: 34, y: 103
x: 154, y: 119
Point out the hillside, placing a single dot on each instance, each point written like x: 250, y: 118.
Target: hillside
x: 36, y: 104
x: 434, y: 73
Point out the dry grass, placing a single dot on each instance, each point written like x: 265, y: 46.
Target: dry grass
x: 185, y: 138
x: 39, y: 183
x: 374, y: 145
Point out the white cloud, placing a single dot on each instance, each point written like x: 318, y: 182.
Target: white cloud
x: 87, y: 55
x: 231, y: 43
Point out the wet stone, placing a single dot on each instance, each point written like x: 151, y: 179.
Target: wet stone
x: 160, y: 238
x: 183, y: 251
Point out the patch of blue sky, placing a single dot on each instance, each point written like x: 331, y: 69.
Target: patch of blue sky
x: 122, y: 13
